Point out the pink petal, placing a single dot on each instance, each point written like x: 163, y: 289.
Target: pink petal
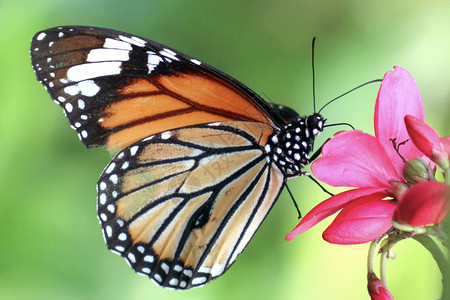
x: 356, y: 159
x: 424, y: 137
x: 398, y: 96
x: 424, y: 203
x: 361, y: 221
x: 330, y: 206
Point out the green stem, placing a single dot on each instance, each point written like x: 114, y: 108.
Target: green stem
x: 392, y: 239
x: 436, y: 252
x: 446, y: 176
x: 372, y: 248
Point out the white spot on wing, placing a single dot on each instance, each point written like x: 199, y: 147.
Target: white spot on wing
x: 133, y: 150
x: 123, y: 237
x: 114, y: 178
x: 72, y: 90
x: 102, y: 198
x: 154, y: 59
x: 149, y: 258
x: 102, y: 54
x: 158, y: 277
x: 111, y: 208
x: 93, y: 70
x: 138, y: 42
x: 88, y: 88
x: 120, y: 248
x: 177, y: 268
x: 165, y: 267
x: 110, y: 168
x: 115, y: 44
x: 198, y: 280
x: 218, y: 269
x: 168, y: 53
x: 81, y: 104
x: 173, y: 281
x: 195, y: 61
x: 41, y: 36
x: 166, y: 135
x: 108, y: 231
x: 69, y: 107
x: 102, y: 185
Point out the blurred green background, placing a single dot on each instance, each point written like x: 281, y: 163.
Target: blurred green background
x: 51, y: 245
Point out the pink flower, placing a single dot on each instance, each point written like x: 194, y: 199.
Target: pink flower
x: 425, y: 203
x: 377, y: 289
x: 368, y: 163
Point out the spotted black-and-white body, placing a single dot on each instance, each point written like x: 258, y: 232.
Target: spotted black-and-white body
x: 290, y: 148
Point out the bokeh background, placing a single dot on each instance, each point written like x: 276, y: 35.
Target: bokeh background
x: 51, y: 246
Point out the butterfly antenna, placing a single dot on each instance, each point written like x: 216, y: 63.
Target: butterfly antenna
x: 340, y: 124
x: 314, y: 74
x: 359, y: 86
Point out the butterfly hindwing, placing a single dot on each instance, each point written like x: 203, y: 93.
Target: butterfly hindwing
x: 117, y: 88
x: 182, y: 204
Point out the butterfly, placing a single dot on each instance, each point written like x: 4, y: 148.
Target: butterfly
x: 199, y: 158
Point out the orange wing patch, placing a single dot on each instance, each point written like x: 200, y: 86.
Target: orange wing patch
x: 149, y: 106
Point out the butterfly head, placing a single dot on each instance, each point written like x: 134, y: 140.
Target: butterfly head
x: 315, y: 123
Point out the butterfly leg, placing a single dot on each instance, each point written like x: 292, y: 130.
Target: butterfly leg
x: 313, y: 157
x: 318, y: 183
x: 293, y: 200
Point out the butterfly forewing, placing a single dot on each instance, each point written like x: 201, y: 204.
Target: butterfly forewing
x: 117, y: 89
x: 182, y: 218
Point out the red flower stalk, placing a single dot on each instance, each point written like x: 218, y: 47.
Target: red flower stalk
x: 369, y: 163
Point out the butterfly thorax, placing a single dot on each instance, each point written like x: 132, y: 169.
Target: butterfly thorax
x: 289, y: 148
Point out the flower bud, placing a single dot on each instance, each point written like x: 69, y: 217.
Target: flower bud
x: 427, y: 140
x: 377, y: 289
x: 416, y: 170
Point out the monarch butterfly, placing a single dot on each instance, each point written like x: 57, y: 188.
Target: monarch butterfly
x: 200, y: 158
